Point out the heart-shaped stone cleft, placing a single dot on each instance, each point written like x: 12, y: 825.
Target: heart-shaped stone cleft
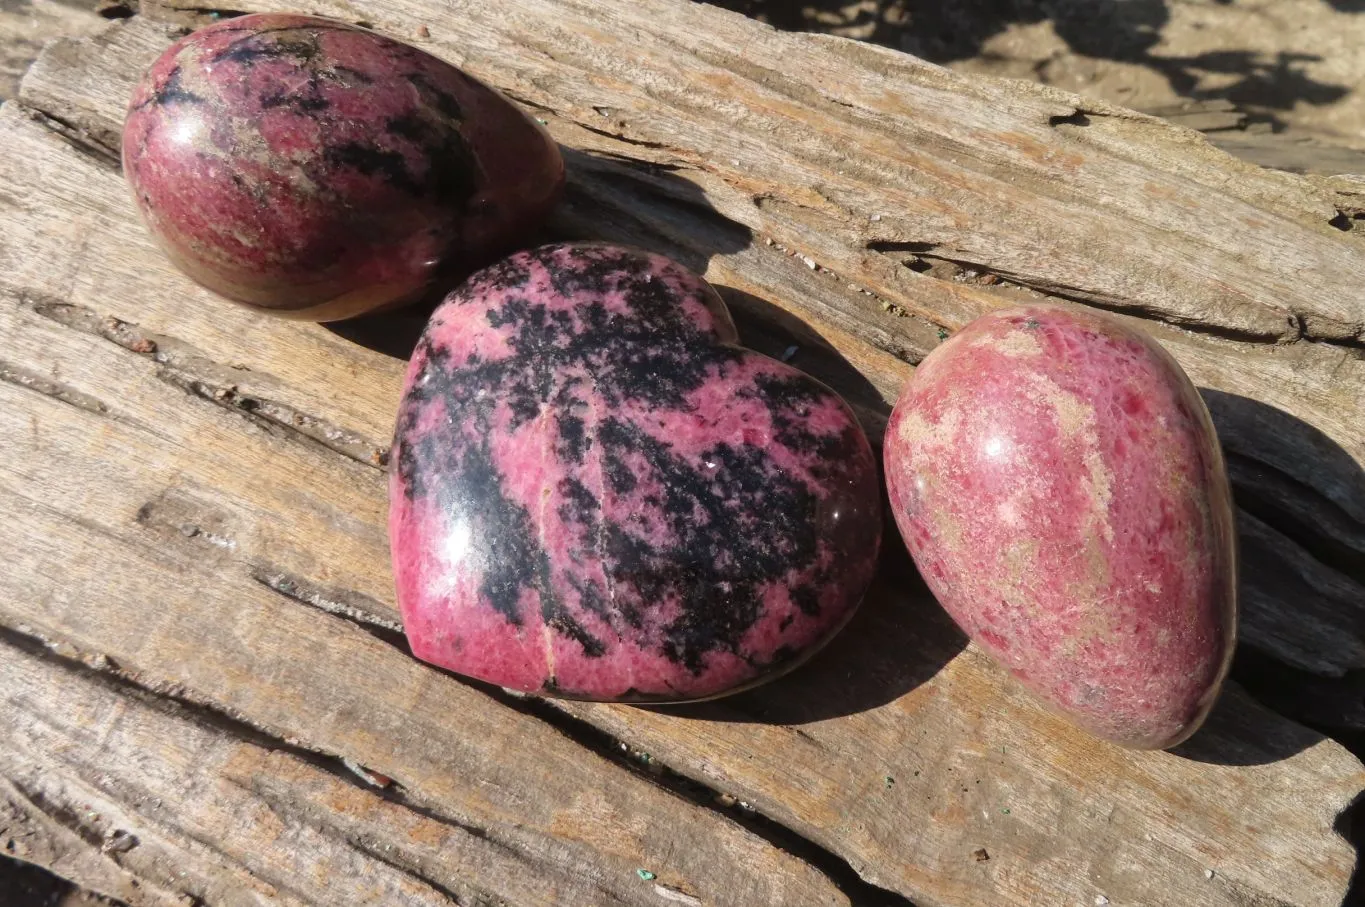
x: 596, y: 493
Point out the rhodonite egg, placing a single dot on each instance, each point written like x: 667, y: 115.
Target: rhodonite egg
x: 320, y: 170
x: 596, y: 493
x: 1058, y: 481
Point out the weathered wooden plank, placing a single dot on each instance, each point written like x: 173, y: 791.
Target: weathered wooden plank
x: 88, y: 84
x: 256, y: 479
x: 1287, y: 152
x: 1305, y: 425
x: 1062, y: 821
x: 1205, y: 116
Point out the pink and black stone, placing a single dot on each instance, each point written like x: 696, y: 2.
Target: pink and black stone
x: 596, y: 493
x: 321, y: 170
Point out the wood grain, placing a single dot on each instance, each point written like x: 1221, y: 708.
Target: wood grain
x: 198, y: 506
x: 26, y: 25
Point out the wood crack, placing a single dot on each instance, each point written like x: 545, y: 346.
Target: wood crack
x: 354, y: 607
x: 930, y: 260
x: 185, y: 367
x: 122, y: 333
x: 416, y: 874
x: 180, y: 702
x: 74, y: 135
x: 392, y: 857
x: 47, y: 387
x: 172, y: 699
x: 619, y: 137
x: 280, y: 419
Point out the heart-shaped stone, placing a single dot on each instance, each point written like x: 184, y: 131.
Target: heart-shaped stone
x: 597, y: 493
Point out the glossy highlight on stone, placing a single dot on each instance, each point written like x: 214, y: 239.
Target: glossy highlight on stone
x: 320, y: 170
x: 596, y: 493
x: 1058, y: 481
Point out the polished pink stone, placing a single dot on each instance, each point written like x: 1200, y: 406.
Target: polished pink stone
x: 596, y: 493
x: 321, y: 170
x: 1058, y: 481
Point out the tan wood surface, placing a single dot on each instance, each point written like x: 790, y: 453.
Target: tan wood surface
x: 27, y: 25
x: 207, y: 696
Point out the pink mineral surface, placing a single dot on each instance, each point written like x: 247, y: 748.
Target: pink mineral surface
x: 597, y: 493
x: 1059, y: 483
x: 321, y: 170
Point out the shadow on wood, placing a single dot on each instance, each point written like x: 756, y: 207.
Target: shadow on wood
x: 28, y: 884
x: 1262, y: 442
x: 1238, y: 735
x: 1351, y: 826
x: 1269, y: 448
x: 1271, y: 85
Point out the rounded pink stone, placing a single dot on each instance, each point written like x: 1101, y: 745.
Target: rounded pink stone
x: 1058, y: 481
x: 320, y: 170
x: 597, y: 493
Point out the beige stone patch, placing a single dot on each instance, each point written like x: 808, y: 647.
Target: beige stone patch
x: 918, y: 431
x: 1097, y: 573
x: 1017, y: 344
x: 1076, y: 420
x: 1099, y: 486
x: 1018, y: 568
x: 949, y: 533
x: 1073, y: 415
